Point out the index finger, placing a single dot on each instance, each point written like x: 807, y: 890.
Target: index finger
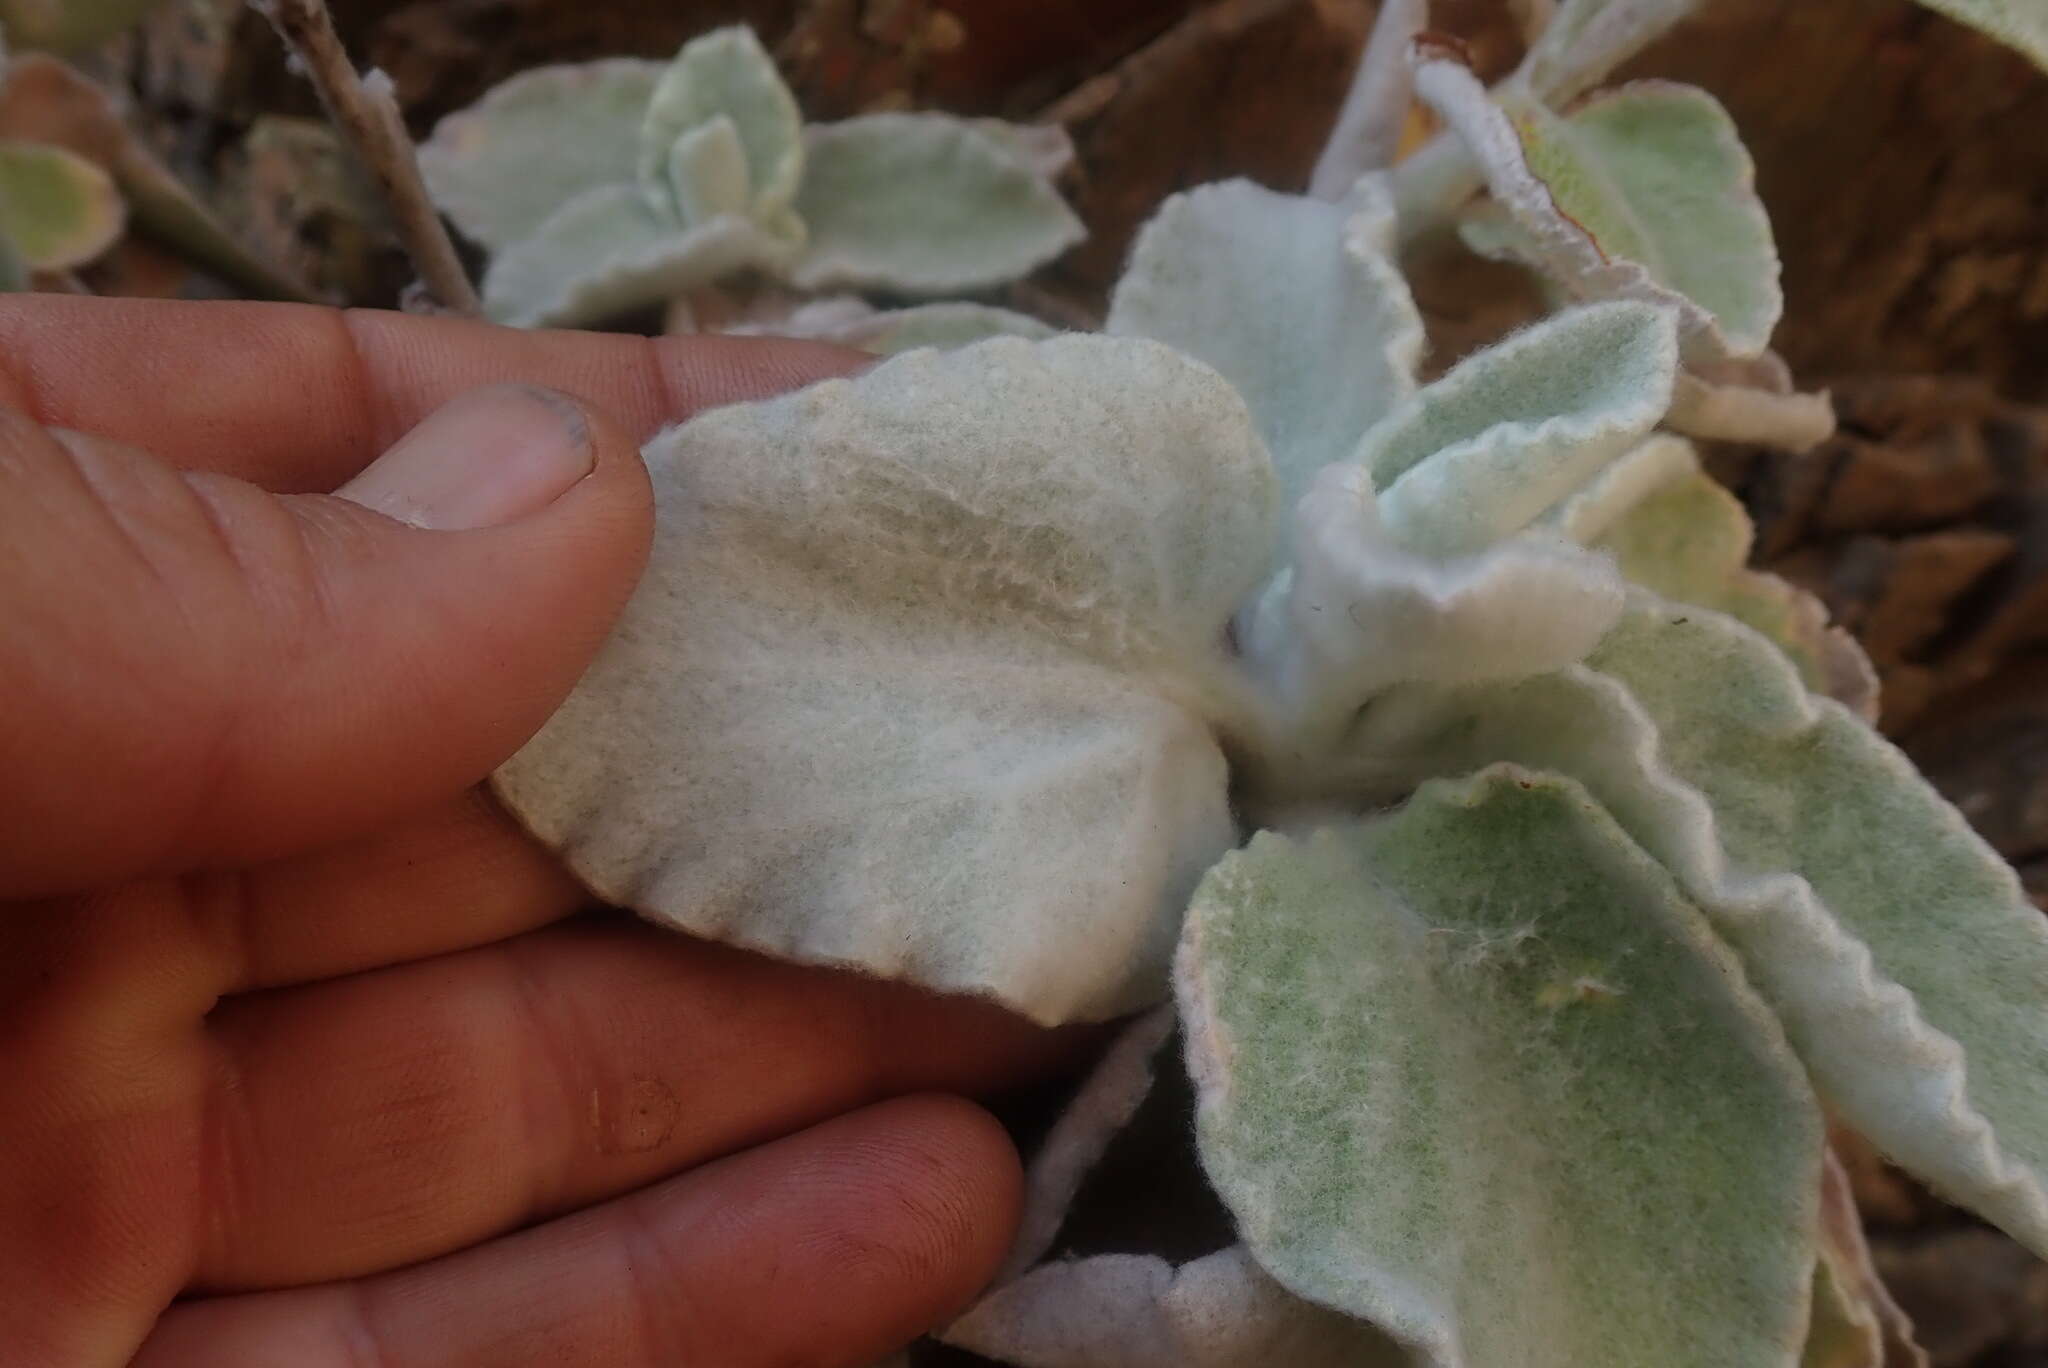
x: 298, y: 398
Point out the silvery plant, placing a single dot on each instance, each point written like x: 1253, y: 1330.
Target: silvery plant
x: 1518, y: 870
x: 610, y: 186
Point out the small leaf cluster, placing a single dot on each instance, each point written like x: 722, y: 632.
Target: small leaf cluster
x: 609, y: 186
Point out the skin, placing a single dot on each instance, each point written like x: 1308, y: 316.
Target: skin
x: 309, y: 1055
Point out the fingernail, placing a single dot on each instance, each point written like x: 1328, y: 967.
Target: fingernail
x: 491, y: 457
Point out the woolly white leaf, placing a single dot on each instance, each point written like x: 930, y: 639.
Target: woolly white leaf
x: 1476, y: 1071
x: 1357, y: 613
x: 1642, y: 194
x: 1135, y: 1311
x: 1296, y: 301
x: 2020, y: 23
x: 918, y: 682
x: 923, y: 204
x: 707, y: 171
x: 607, y: 252
x: 1908, y: 966
x: 1481, y: 453
x: 725, y: 72
x: 510, y: 161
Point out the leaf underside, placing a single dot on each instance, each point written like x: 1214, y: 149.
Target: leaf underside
x: 1477, y: 1072
x: 909, y: 686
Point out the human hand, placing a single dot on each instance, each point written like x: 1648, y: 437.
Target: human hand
x: 295, y: 1027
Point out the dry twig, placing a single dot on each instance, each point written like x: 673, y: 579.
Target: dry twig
x: 367, y: 114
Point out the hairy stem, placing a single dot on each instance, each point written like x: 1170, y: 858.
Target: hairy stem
x: 1368, y: 131
x: 367, y: 113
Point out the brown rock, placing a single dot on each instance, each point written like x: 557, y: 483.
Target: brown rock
x: 1968, y: 1291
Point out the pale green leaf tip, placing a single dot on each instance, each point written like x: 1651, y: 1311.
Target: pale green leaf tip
x: 59, y: 210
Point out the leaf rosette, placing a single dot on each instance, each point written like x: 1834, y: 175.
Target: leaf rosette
x: 1524, y: 893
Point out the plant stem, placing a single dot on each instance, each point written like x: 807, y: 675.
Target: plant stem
x: 1368, y: 131
x: 367, y: 113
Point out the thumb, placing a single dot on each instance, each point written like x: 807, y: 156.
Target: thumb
x: 196, y: 672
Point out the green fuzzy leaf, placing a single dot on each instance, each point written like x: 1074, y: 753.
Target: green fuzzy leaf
x: 2022, y: 24
x: 922, y: 204
x: 1673, y: 529
x: 1656, y: 172
x: 606, y: 253
x: 504, y: 166
x: 1135, y: 1311
x: 908, y: 686
x: 58, y: 209
x: 1480, y: 454
x: 726, y: 73
x: 1295, y: 301
x: 1907, y: 964
x: 1477, y: 1072
x: 1664, y: 187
